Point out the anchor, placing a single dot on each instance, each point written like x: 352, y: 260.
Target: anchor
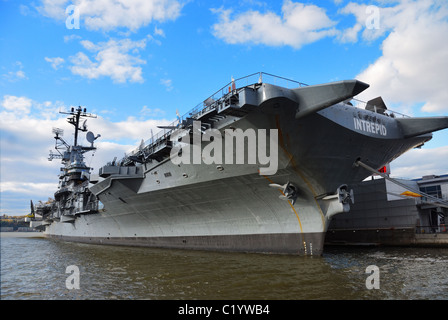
x: 289, y: 190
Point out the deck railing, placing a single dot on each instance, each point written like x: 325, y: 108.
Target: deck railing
x: 362, y: 105
x: 162, y: 136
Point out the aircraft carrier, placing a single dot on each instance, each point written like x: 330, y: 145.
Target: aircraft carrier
x: 262, y: 165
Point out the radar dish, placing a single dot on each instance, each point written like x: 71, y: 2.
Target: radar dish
x: 58, y: 131
x: 90, y: 136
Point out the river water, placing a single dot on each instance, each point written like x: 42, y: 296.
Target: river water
x: 43, y: 269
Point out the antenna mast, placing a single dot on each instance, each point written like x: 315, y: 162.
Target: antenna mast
x: 77, y: 114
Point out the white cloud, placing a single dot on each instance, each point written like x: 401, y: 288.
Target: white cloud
x: 25, y: 140
x: 110, y: 14
x: 28, y: 188
x: 20, y: 74
x: 71, y: 37
x: 412, y: 68
x: 14, y: 76
x: 299, y: 25
x: 151, y: 112
x: 55, y: 62
x: 131, y: 127
x: 414, y: 163
x: 16, y: 104
x: 168, y: 83
x: 159, y: 32
x: 111, y: 59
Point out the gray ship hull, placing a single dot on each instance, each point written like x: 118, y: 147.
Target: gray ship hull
x: 233, y: 207
x: 237, y: 212
x: 232, y: 214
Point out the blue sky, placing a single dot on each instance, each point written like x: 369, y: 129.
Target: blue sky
x: 134, y: 64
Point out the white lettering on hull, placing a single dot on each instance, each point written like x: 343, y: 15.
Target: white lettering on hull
x: 370, y: 126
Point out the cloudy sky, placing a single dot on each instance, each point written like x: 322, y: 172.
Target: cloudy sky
x: 135, y: 62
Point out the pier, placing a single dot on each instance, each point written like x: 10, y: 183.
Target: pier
x: 388, y: 214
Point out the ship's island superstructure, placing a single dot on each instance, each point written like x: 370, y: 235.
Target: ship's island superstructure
x: 187, y: 186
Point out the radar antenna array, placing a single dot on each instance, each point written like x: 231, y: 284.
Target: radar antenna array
x: 74, y: 120
x: 76, y: 115
x: 58, y: 132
